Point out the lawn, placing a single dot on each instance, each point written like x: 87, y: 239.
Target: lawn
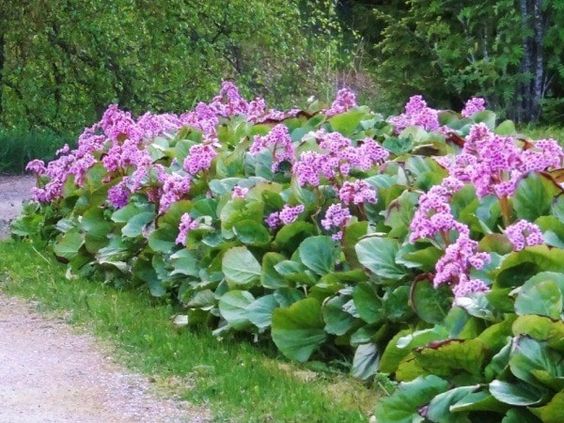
x: 238, y: 380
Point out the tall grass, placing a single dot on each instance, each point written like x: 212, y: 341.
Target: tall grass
x: 18, y: 147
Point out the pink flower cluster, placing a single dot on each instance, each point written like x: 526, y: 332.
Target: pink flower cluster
x: 287, y: 215
x: 338, y: 157
x: 118, y: 195
x: 278, y: 140
x: 239, y: 192
x: 187, y: 224
x: 524, y: 234
x: 174, y: 188
x: 336, y: 217
x: 344, y: 101
x: 357, y: 192
x: 494, y: 164
x: 454, y: 267
x: 434, y: 215
x: 473, y: 106
x: 416, y: 113
x: 199, y: 158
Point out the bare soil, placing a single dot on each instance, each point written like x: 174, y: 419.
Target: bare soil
x: 50, y: 373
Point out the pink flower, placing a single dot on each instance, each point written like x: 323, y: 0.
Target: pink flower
x: 357, y: 192
x: 239, y: 192
x: 187, y: 224
x: 336, y: 217
x: 344, y: 101
x: 524, y: 234
x: 118, y: 195
x: 454, y: 266
x: 290, y: 214
x: 174, y: 188
x: 199, y: 158
x: 278, y: 140
x: 473, y: 106
x: 273, y: 220
x: 434, y: 215
x: 416, y: 113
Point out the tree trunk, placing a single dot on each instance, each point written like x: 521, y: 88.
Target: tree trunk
x: 525, y: 89
x: 538, y: 80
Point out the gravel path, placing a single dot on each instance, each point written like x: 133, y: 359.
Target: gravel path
x: 49, y: 373
x: 13, y: 190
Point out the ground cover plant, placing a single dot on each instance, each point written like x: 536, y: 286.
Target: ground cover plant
x: 427, y: 246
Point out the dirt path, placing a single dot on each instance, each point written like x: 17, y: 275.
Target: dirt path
x: 13, y: 190
x: 48, y: 373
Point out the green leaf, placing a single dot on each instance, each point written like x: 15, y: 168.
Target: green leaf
x: 240, y: 266
x: 290, y: 236
x: 251, y: 232
x: 318, y: 253
x: 337, y: 321
x: 69, y: 244
x: 553, y: 412
x: 259, y: 312
x: 346, y: 123
x: 233, y: 308
x: 520, y: 394
x: 368, y: 304
x: 542, y: 295
x: 439, y: 407
x: 478, y: 401
x: 269, y: 277
x: 403, y: 405
x: 541, y: 329
x: 534, y: 362
x: 453, y: 355
x: 184, y: 263
x: 533, y: 197
x: 431, y: 304
x: 507, y: 127
x: 553, y: 230
x: 519, y: 415
x: 163, y: 239
x: 379, y: 256
x: 134, y: 226
x: 399, y: 214
x: 519, y: 266
x: 144, y: 271
x: 487, y: 116
x: 297, y: 330
x: 365, y: 361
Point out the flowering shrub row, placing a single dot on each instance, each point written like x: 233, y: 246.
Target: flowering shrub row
x: 427, y: 245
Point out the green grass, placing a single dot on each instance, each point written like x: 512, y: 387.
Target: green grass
x: 540, y: 132
x: 18, y: 147
x: 237, y: 380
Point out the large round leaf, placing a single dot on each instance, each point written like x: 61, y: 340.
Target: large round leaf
x: 404, y: 404
x: 69, y: 244
x: 521, y: 394
x: 240, y: 266
x: 259, y: 312
x: 318, y: 253
x: 542, y: 294
x: 233, y: 308
x: 379, y: 256
x: 533, y: 197
x: 297, y: 330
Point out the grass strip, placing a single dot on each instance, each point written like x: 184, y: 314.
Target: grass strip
x: 238, y: 381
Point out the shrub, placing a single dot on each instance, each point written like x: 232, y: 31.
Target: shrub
x: 428, y: 245
x: 18, y: 147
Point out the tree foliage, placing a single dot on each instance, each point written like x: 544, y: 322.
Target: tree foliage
x: 62, y: 62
